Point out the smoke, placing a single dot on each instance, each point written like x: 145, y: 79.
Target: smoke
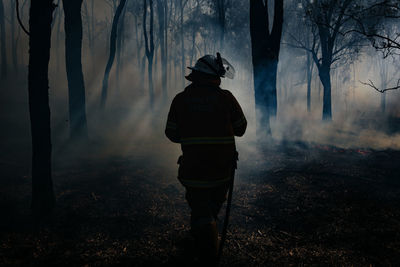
x: 129, y: 127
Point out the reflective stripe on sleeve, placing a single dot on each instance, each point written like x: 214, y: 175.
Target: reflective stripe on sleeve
x: 208, y: 140
x: 204, y: 184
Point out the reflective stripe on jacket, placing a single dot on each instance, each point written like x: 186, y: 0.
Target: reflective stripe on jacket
x: 204, y: 119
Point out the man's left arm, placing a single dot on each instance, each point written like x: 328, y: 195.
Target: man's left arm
x: 239, y: 122
x: 171, y: 129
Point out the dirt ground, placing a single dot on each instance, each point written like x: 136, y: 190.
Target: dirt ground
x: 295, y: 204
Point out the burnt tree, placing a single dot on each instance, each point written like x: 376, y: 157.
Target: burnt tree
x: 13, y: 39
x: 113, y: 41
x: 265, y: 46
x: 40, y: 18
x: 73, y: 60
x: 3, y: 42
x: 161, y: 8
x: 337, y: 43
x: 149, y: 47
x: 120, y: 47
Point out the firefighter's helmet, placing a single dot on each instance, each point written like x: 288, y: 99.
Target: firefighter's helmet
x: 216, y: 66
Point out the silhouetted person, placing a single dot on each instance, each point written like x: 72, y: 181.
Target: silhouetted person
x: 204, y: 119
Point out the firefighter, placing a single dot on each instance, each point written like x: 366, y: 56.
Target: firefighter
x: 204, y: 119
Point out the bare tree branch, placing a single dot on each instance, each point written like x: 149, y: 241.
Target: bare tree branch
x: 19, y: 18
x: 371, y: 84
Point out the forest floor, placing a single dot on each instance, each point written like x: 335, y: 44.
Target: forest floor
x: 295, y: 204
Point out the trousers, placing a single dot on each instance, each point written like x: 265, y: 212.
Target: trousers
x: 205, y: 203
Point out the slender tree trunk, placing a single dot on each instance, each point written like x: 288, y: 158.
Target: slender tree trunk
x: 73, y: 61
x: 166, y: 16
x: 92, y: 51
x: 143, y: 68
x: 58, y: 40
x: 89, y: 34
x: 13, y: 40
x: 221, y: 21
x: 265, y: 56
x: 40, y: 18
x: 110, y: 61
x: 3, y: 42
x: 309, y: 80
x: 140, y: 60
x: 120, y: 41
x: 149, y: 48
x: 383, y: 102
x: 161, y: 27
x: 182, y: 44
x: 193, y: 46
x: 383, y: 69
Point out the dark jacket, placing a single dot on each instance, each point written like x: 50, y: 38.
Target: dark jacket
x: 204, y: 119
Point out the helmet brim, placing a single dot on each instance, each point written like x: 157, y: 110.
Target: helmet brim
x: 202, y: 71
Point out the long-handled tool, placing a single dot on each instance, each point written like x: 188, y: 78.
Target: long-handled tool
x: 228, y: 209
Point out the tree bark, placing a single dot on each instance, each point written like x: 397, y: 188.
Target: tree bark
x: 40, y: 18
x: 73, y: 61
x: 110, y: 61
x: 265, y: 56
x: 3, y: 42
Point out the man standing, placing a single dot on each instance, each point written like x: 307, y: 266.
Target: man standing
x: 204, y: 119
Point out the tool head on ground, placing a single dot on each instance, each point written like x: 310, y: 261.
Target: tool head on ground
x: 216, y: 66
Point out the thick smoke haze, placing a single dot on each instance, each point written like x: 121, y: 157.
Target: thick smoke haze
x: 316, y: 191
x: 128, y: 125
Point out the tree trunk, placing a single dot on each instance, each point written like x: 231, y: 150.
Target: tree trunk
x: 110, y: 61
x: 73, y: 61
x: 143, y: 69
x: 40, y: 18
x: 166, y: 16
x: 383, y: 70
x: 221, y: 21
x: 58, y: 55
x: 3, y: 42
x: 325, y: 77
x: 182, y: 44
x: 193, y: 46
x: 309, y: 80
x: 89, y: 34
x: 13, y: 40
x: 383, y: 102
x: 120, y: 42
x: 92, y: 51
x: 161, y: 22
x: 265, y: 56
x: 149, y: 48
